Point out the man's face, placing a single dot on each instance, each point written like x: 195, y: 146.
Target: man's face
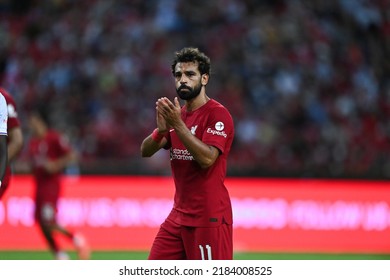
x: 188, y: 80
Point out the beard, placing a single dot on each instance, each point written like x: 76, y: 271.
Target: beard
x: 187, y: 93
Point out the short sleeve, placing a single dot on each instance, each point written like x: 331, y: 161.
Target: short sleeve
x: 219, y: 128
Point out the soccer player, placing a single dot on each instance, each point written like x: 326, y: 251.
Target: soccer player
x: 199, y: 136
x: 50, y: 153
x: 3, y: 137
x: 14, y: 139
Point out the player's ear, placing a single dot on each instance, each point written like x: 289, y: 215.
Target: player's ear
x: 205, y: 79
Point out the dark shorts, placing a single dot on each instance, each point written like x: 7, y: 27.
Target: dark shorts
x: 46, y: 198
x: 177, y: 242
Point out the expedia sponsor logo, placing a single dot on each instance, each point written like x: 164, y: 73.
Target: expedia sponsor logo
x: 216, y: 132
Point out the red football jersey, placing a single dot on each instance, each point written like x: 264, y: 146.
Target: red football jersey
x: 201, y: 198
x: 51, y: 147
x: 13, y: 121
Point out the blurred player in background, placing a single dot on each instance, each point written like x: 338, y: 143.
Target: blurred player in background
x: 14, y: 139
x: 199, y: 136
x: 51, y: 153
x: 3, y: 137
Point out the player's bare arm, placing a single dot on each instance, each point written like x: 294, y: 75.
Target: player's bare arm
x: 149, y: 146
x: 3, y: 153
x: 58, y: 165
x: 203, y: 154
x: 15, y: 143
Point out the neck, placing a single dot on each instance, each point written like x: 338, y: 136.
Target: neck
x: 197, y: 102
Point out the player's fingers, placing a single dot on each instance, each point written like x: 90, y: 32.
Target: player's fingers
x: 177, y: 104
x: 159, y: 100
x: 163, y: 110
x: 160, y: 103
x: 168, y: 103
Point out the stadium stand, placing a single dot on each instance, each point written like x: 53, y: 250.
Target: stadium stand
x: 307, y: 82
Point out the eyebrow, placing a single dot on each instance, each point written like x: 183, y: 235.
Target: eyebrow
x: 185, y: 72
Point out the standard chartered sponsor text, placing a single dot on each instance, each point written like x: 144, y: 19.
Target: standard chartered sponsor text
x: 181, y: 155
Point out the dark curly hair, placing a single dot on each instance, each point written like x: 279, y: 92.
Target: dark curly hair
x: 191, y: 55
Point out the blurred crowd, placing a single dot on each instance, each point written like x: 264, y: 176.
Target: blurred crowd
x: 307, y: 81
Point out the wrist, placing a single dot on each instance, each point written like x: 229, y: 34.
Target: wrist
x: 157, y: 136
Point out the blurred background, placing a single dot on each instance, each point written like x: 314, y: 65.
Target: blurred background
x: 307, y: 82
